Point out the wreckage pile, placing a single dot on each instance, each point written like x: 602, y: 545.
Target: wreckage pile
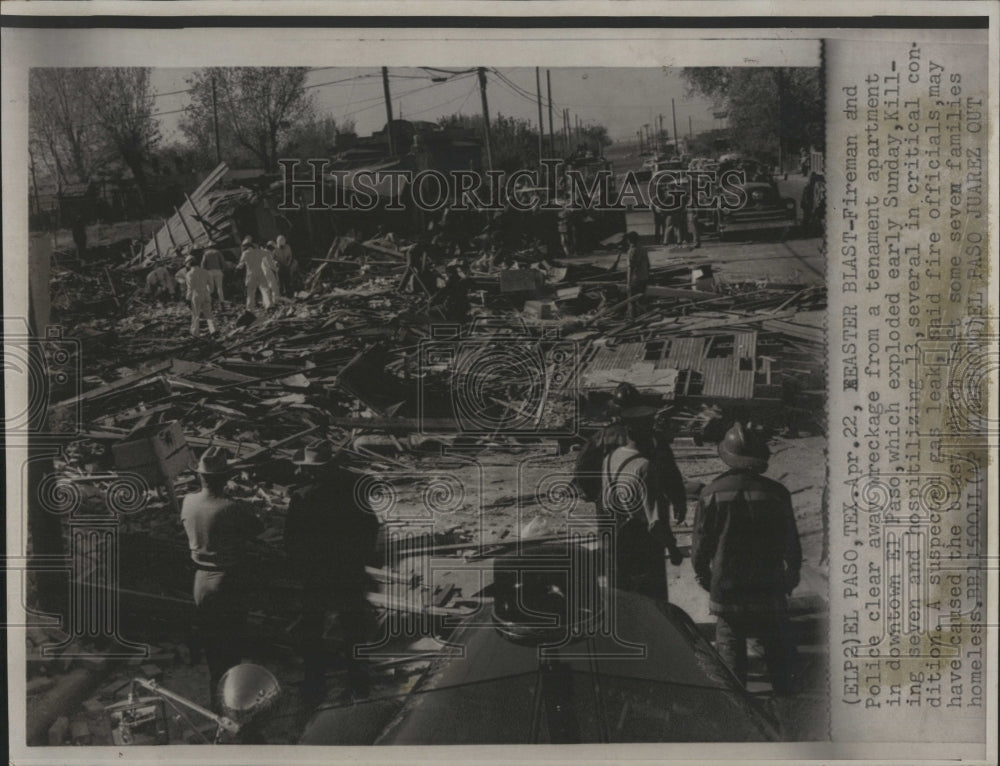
x: 353, y: 359
x: 404, y: 393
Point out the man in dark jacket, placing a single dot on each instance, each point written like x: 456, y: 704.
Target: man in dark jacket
x: 218, y: 528
x: 746, y: 553
x: 329, y: 538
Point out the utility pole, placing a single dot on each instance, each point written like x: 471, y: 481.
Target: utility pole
x: 388, y: 109
x: 659, y: 137
x: 566, y: 131
x: 34, y: 181
x: 215, y: 122
x: 541, y: 125
x: 780, y: 83
x: 690, y: 130
x: 673, y: 118
x: 486, y: 117
x: 552, y: 134
x: 579, y: 132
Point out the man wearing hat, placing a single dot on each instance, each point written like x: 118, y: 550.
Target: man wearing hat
x: 587, y: 473
x: 254, y: 259
x: 746, y: 554
x: 218, y: 528
x: 329, y: 538
x: 633, y: 494
x: 199, y: 293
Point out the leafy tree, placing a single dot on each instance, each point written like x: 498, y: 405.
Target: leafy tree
x: 258, y: 107
x: 596, y: 136
x: 513, y: 141
x: 766, y: 105
x: 123, y: 104
x: 63, y: 128
x: 315, y: 137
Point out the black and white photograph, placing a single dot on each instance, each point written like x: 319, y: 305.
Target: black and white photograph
x: 439, y: 397
x: 338, y: 403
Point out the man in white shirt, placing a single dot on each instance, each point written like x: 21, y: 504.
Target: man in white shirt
x: 199, y: 292
x: 257, y: 276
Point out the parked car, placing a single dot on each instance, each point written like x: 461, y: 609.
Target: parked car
x: 764, y: 208
x: 542, y: 664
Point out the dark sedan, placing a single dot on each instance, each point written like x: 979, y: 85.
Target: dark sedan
x: 545, y: 662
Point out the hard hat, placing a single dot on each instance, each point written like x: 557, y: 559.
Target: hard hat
x: 744, y: 449
x: 626, y: 395
x: 246, y: 690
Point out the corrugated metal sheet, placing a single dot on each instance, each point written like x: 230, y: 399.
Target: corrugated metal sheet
x: 685, y: 354
x: 722, y: 376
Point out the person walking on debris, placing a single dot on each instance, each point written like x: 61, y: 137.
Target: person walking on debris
x: 214, y: 263
x: 631, y: 491
x: 271, y: 272
x: 252, y: 259
x: 199, y: 293
x: 747, y: 555
x: 453, y: 298
x: 328, y: 539
x: 287, y: 267
x: 218, y: 528
x: 160, y: 284
x: 636, y: 270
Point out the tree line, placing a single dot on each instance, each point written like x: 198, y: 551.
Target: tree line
x: 769, y: 108
x: 90, y: 123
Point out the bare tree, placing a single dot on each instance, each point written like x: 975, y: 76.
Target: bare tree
x: 63, y: 127
x: 123, y: 103
x: 257, y: 107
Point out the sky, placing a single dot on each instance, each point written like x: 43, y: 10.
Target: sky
x: 621, y: 99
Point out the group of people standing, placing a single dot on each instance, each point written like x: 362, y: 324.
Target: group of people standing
x: 269, y: 270
x: 678, y: 225
x: 745, y: 545
x: 328, y: 540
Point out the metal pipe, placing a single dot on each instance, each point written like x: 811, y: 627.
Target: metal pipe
x: 229, y: 725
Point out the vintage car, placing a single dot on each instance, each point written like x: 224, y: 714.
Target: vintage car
x: 764, y: 208
x: 558, y: 655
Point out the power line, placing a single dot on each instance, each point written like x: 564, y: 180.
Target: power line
x: 407, y: 93
x: 449, y: 101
